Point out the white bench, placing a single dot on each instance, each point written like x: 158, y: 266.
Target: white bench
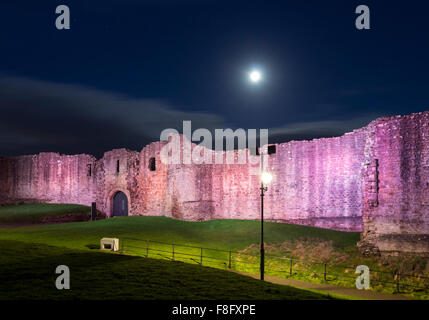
x: 111, y: 244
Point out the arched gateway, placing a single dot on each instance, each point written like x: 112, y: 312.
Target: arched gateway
x: 120, y: 204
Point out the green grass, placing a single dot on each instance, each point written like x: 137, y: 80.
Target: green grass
x: 28, y: 272
x: 221, y: 234
x: 309, y: 256
x: 336, y: 248
x: 42, y: 247
x: 37, y: 212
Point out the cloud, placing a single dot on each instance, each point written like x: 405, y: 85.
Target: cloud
x: 44, y: 116
x: 40, y: 116
x: 317, y: 129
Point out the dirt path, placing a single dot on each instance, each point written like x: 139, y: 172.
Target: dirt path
x: 351, y: 292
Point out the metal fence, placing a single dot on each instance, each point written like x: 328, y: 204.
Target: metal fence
x: 274, y: 265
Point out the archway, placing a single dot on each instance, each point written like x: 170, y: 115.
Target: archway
x: 120, y: 205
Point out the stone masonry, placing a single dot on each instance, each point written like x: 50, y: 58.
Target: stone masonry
x: 374, y: 180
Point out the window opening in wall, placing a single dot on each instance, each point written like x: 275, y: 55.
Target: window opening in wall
x: 117, y: 166
x: 152, y: 164
x: 89, y: 170
x: 272, y: 149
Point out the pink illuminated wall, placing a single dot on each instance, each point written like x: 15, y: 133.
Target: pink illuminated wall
x: 374, y: 179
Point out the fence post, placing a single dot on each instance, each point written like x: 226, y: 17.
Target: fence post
x: 173, y: 251
x: 291, y: 263
x: 147, y: 248
x: 229, y: 263
x: 324, y: 274
x: 201, y: 256
x: 398, y: 275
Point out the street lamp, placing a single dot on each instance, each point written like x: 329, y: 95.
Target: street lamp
x: 266, y: 178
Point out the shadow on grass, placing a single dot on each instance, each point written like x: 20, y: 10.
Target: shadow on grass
x: 28, y: 272
x: 93, y: 246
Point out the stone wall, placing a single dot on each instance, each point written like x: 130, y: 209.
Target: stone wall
x: 152, y: 196
x: 48, y: 177
x: 374, y: 179
x: 316, y: 183
x: 117, y: 171
x: 396, y: 180
x: 319, y: 182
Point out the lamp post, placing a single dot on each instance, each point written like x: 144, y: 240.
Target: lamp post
x: 255, y: 76
x: 266, y: 178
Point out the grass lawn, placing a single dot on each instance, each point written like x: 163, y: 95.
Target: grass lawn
x: 336, y: 248
x: 221, y: 234
x: 38, y: 212
x: 28, y: 272
x: 30, y: 255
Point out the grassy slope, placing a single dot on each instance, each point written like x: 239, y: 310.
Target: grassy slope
x: 36, y: 212
x: 237, y: 235
x: 221, y: 234
x: 28, y: 272
x: 74, y: 240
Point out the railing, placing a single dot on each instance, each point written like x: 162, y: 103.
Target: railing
x: 285, y: 266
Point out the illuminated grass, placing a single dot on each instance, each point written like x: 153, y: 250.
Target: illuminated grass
x: 305, y: 259
x: 240, y: 236
x: 28, y: 272
x: 221, y: 234
x: 81, y: 241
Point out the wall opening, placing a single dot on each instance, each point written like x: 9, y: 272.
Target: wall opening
x: 117, y: 166
x: 271, y: 149
x: 152, y: 164
x: 120, y: 205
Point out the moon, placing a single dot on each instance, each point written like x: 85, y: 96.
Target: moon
x: 255, y: 76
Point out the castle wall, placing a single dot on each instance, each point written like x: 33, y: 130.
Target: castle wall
x: 396, y: 210
x: 375, y: 180
x: 235, y: 188
x: 319, y: 182
x: 117, y: 171
x: 316, y: 182
x: 48, y: 177
x: 152, y: 197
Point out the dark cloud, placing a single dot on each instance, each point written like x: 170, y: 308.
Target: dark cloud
x: 318, y: 129
x: 43, y: 116
x: 39, y: 116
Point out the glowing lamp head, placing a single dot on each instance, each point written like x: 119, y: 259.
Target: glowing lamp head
x: 255, y: 76
x: 266, y: 177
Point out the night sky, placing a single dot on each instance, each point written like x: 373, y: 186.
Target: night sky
x: 128, y: 69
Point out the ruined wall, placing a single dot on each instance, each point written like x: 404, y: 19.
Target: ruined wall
x: 319, y: 182
x: 396, y: 181
x: 315, y: 183
x: 117, y: 171
x: 181, y: 191
x: 48, y: 177
x: 152, y: 197
x: 235, y: 188
x: 375, y: 178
